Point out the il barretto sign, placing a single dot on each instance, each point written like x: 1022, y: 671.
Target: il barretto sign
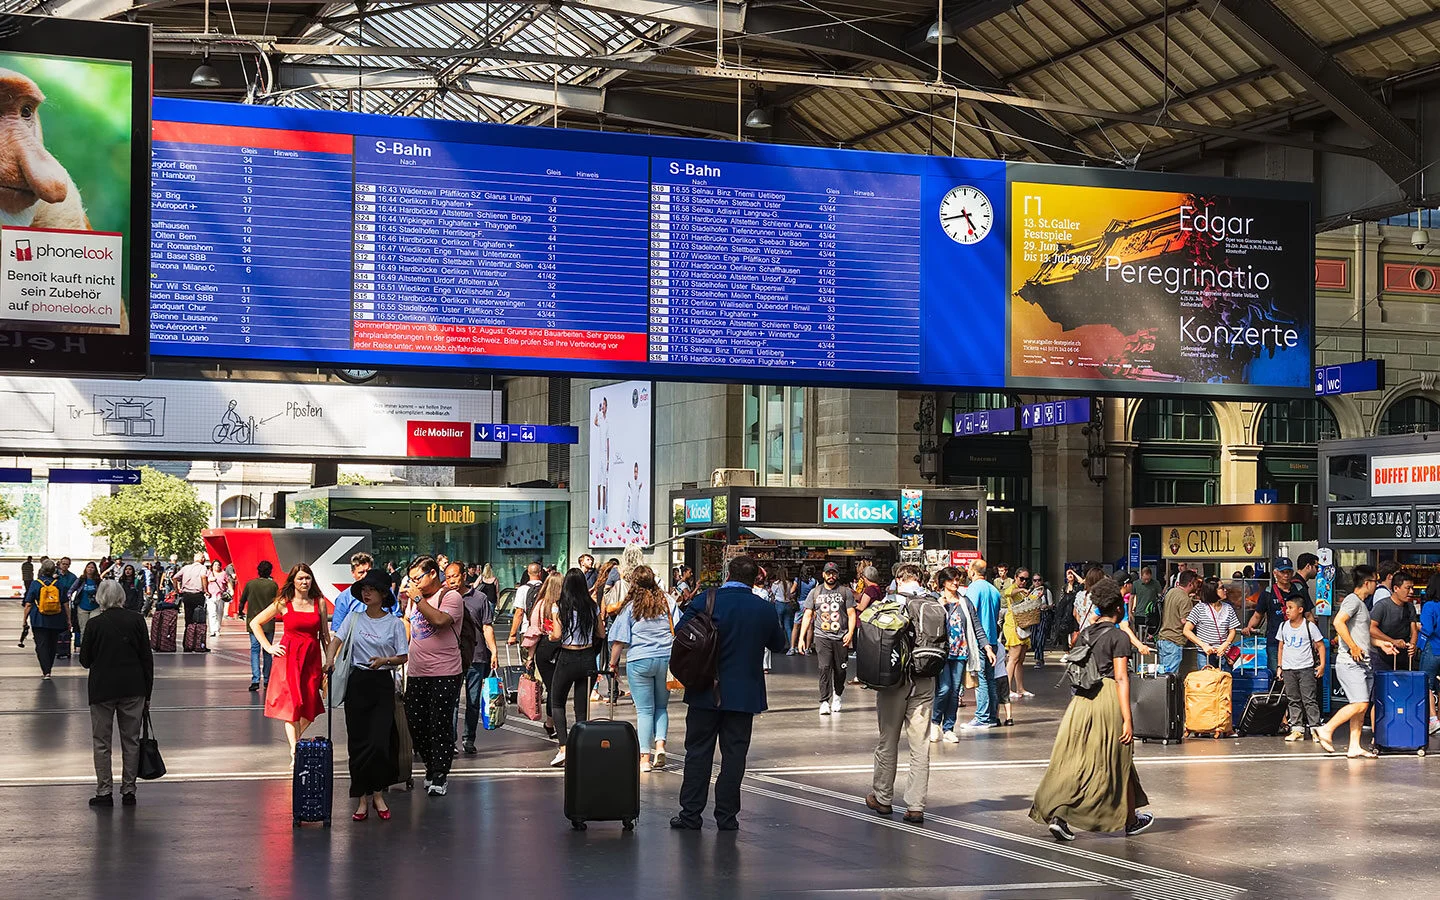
x: 1408, y: 475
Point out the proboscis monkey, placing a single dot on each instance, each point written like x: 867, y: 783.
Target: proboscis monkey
x: 35, y: 189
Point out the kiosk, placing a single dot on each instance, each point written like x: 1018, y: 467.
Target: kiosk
x: 798, y: 528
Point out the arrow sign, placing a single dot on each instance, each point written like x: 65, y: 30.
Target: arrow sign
x: 94, y: 476
x: 332, y: 568
x: 1056, y: 412
x: 528, y: 434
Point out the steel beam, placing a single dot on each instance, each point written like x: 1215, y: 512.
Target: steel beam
x: 1263, y: 25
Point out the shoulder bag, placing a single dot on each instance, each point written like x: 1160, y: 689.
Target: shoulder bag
x: 152, y: 765
x: 340, y: 677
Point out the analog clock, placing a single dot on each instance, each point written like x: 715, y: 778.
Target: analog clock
x: 966, y: 215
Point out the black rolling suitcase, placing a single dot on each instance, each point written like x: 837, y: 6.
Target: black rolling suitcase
x: 510, y: 675
x: 313, y: 790
x: 602, y: 774
x: 1265, y: 713
x: 1157, y: 710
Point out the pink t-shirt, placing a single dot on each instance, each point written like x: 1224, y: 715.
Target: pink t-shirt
x: 436, y: 651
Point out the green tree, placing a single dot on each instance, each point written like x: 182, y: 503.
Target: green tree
x: 355, y: 478
x: 9, y: 509
x: 161, y: 513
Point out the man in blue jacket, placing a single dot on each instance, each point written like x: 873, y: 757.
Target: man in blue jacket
x: 986, y: 600
x: 747, y: 627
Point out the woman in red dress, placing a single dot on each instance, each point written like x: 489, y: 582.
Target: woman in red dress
x: 295, y: 695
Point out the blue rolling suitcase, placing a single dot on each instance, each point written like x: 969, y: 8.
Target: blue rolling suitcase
x: 492, y: 703
x: 314, y: 779
x: 1402, y: 709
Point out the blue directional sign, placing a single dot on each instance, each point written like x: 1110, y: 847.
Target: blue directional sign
x: 15, y: 476
x: 526, y: 434
x: 1350, y: 378
x: 1134, y: 552
x: 1057, y: 412
x: 94, y: 476
x: 985, y: 421
x: 1267, y: 496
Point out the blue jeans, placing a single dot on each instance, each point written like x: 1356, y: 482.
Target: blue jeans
x: 787, y: 621
x: 647, y: 687
x: 948, y: 687
x: 257, y: 667
x: 1170, y: 655
x: 987, y: 704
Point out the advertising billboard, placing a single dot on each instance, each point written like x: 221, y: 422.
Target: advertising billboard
x: 226, y: 419
x: 74, y: 196
x: 626, y: 256
x: 620, y: 465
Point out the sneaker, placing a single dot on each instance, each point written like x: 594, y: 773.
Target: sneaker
x: 1142, y: 822
x: 254, y: 686
x: 951, y: 738
x: 1061, y: 830
x: 428, y: 783
x: 1014, y: 696
x: 559, y: 761
x: 103, y: 800
x: 790, y: 652
x: 973, y: 723
x: 934, y: 734
x: 1434, y: 724
x: 988, y: 725
x: 127, y: 799
x: 1297, y: 735
x: 1027, y: 695
x: 824, y: 708
x: 470, y: 749
x: 438, y: 790
x: 835, y: 703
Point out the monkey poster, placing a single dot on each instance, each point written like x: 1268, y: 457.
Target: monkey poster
x: 74, y: 148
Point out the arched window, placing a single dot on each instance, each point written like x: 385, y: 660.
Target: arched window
x: 1411, y: 415
x: 1178, y: 460
x: 1176, y: 420
x: 241, y: 511
x: 1303, y: 422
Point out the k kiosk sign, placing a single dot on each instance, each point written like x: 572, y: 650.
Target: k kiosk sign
x: 859, y: 511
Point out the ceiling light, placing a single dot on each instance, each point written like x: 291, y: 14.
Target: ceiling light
x: 940, y: 33
x: 759, y: 119
x: 205, y: 75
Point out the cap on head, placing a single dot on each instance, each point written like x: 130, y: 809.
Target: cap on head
x: 1283, y: 564
x: 830, y: 567
x: 871, y: 574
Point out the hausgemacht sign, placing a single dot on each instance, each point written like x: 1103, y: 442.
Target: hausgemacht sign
x: 847, y: 511
x: 626, y: 256
x: 241, y: 418
x: 75, y: 209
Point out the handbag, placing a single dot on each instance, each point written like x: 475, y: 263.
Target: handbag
x: 671, y: 682
x: 533, y: 629
x: 972, y: 680
x: 152, y: 765
x: 340, y: 675
x: 530, y: 695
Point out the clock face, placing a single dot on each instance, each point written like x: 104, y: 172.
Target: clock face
x: 966, y: 215
x: 356, y: 376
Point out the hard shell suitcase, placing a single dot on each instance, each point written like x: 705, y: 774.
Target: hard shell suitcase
x: 195, y: 638
x: 62, y: 644
x: 602, y: 774
x: 162, y: 631
x: 492, y: 703
x: 1207, y: 702
x: 1401, y: 710
x: 510, y: 674
x: 1245, y: 685
x: 313, y: 784
x: 1155, y: 709
x: 1264, y: 713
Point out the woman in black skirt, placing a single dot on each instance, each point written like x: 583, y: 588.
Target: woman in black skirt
x: 378, y: 645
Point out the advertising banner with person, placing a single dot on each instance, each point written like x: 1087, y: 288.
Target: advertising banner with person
x: 620, y: 466
x: 74, y: 196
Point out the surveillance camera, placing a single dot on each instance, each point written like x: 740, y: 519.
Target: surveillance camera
x: 1420, y: 239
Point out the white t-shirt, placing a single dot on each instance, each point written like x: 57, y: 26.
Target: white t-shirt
x: 384, y: 636
x: 1298, y: 644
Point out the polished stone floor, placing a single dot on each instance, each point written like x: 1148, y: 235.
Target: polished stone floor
x: 1251, y: 816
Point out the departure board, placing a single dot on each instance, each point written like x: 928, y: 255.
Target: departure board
x: 370, y: 241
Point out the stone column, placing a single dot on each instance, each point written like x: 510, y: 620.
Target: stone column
x: 1239, y: 472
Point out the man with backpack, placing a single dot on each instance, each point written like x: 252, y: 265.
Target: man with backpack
x: 46, y: 612
x: 725, y: 632
x: 909, y: 627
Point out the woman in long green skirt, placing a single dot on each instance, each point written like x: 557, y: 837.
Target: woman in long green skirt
x: 1091, y: 783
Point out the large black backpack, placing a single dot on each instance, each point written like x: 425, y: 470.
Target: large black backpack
x: 695, y: 655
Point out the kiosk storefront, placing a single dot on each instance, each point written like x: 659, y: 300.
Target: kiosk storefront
x: 1381, y: 500
x: 797, y: 528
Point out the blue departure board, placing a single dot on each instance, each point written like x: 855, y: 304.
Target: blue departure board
x: 370, y: 241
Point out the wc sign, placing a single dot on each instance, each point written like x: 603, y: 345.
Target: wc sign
x: 845, y: 511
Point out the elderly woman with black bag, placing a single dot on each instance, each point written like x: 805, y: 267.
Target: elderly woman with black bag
x: 116, y: 650
x: 371, y: 644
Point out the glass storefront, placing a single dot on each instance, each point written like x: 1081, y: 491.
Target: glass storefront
x: 485, y: 527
